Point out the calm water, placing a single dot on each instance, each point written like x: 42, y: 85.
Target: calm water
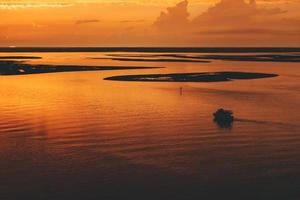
x: 75, y: 136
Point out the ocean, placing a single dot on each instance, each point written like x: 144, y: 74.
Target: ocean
x: 74, y: 135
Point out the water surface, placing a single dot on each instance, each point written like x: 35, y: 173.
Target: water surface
x: 74, y: 135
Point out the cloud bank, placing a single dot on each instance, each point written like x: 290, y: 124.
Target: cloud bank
x: 229, y: 21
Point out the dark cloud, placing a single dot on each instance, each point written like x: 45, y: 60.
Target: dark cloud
x: 86, y: 21
x: 133, y: 21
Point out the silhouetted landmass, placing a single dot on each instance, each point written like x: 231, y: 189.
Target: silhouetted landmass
x: 153, y: 60
x: 19, y: 57
x: 254, y: 58
x: 154, y: 49
x: 192, y: 77
x: 20, y: 68
x: 257, y: 58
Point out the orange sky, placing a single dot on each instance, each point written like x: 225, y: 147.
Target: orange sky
x: 149, y: 23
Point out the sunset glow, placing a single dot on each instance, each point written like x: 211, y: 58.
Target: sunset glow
x: 149, y: 99
x: 140, y: 23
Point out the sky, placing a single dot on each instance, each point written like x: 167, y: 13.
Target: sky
x: 150, y: 23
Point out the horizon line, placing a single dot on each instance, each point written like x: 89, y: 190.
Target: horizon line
x: 149, y: 49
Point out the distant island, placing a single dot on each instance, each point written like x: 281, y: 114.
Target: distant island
x: 21, y: 68
x: 192, y: 77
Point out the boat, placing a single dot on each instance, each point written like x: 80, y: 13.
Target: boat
x: 224, y: 118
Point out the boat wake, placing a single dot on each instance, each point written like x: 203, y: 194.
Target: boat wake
x: 265, y: 122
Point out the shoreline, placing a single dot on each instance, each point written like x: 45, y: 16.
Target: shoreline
x: 10, y: 68
x: 193, y: 77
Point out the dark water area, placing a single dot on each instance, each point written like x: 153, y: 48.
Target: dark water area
x: 76, y: 135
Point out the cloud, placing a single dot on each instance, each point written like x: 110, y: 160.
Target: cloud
x: 86, y: 21
x: 24, y: 5
x: 226, y: 23
x: 132, y: 21
x: 253, y: 31
x: 174, y: 17
x: 225, y: 12
x: 236, y: 11
x: 230, y: 21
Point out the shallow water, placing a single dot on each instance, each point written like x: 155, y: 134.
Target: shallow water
x: 76, y: 136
